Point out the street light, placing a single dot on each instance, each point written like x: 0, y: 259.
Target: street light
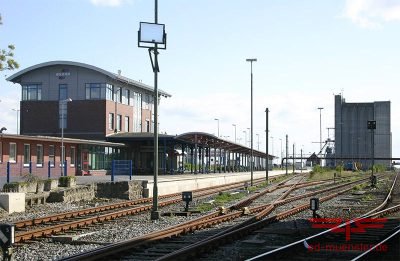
x: 153, y: 37
x: 17, y: 110
x: 250, y: 136
x: 217, y: 125
x: 272, y: 150
x: 258, y: 141
x: 234, y: 125
x: 251, y: 60
x: 266, y: 143
x: 281, y: 154
x: 63, y: 114
x: 320, y: 129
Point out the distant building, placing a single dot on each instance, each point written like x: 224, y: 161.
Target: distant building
x: 353, y: 140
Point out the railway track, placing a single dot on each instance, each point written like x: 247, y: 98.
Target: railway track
x: 371, y: 236
x: 209, y: 239
x: 59, y: 223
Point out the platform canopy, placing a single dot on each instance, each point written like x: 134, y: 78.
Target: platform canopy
x: 212, y: 141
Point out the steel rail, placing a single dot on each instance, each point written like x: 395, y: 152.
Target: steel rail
x: 194, y: 249
x: 184, y: 228
x: 301, y: 241
x: 99, y: 209
x: 46, y: 231
x: 370, y: 251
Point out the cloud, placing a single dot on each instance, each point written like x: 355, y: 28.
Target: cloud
x: 372, y: 13
x: 112, y: 3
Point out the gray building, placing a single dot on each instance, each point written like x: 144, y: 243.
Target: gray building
x: 353, y: 140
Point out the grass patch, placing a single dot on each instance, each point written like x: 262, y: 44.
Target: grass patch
x: 368, y: 197
x: 221, y: 200
x: 359, y: 187
x: 316, y: 176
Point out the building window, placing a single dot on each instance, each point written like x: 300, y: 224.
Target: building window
x: 118, y: 95
x: 93, y: 91
x: 62, y: 92
x: 72, y: 156
x: 111, y: 121
x: 137, y: 112
x: 39, y: 155
x: 31, y: 92
x: 1, y: 152
x: 119, y: 119
x: 127, y: 96
x: 13, y: 152
x: 27, y: 154
x: 109, y: 92
x: 147, y: 126
x: 126, y: 126
x: 51, y: 155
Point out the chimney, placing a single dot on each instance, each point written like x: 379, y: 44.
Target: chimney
x: 119, y: 72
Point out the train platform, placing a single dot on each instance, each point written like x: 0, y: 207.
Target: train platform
x: 182, y: 182
x: 173, y: 183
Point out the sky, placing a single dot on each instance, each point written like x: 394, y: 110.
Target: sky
x: 307, y: 51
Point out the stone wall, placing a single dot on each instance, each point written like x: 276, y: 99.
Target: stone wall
x: 68, y: 195
x: 133, y: 189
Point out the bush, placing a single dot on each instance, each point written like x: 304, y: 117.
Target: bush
x: 318, y: 169
x: 379, y: 168
x: 67, y: 181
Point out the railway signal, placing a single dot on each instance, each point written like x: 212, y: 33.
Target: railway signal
x: 187, y: 196
x: 7, y: 235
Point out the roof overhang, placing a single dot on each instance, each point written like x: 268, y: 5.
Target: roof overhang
x: 59, y: 139
x: 16, y: 77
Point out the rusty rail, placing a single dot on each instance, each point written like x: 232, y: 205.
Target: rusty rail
x: 193, y: 225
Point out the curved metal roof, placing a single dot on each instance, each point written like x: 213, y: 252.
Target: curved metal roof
x: 209, y: 140
x: 16, y: 78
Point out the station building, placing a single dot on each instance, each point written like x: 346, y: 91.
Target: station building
x: 102, y: 116
x: 354, y: 142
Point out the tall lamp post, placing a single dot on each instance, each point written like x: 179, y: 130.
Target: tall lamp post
x: 371, y: 125
x: 281, y: 154
x: 234, y: 125
x: 258, y: 141
x: 63, y: 118
x: 17, y: 110
x: 250, y: 136
x: 266, y: 143
x: 217, y: 126
x: 320, y: 129
x: 153, y: 37
x: 251, y: 60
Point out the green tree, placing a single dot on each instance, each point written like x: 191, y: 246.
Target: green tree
x: 7, y: 61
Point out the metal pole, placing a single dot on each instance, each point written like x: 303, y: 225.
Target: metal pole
x: 217, y: 127
x: 62, y: 141
x: 251, y: 127
x: 287, y: 153
x: 373, y: 155
x: 293, y: 159
x: 155, y: 214
x: 320, y: 129
x: 234, y: 125
x: 266, y: 142
x: 281, y: 155
x: 301, y: 161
